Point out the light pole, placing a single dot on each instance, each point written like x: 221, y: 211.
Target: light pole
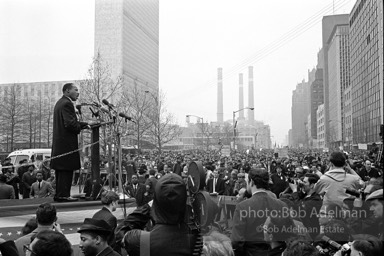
x: 234, y: 125
x: 202, y: 125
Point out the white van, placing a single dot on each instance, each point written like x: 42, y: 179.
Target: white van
x: 36, y: 155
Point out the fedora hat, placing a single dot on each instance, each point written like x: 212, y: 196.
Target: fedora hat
x: 95, y: 226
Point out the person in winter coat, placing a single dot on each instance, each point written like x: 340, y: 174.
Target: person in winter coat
x: 170, y: 234
x: 334, y: 183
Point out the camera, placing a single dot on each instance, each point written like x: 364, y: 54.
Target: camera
x: 329, y: 247
x: 356, y: 193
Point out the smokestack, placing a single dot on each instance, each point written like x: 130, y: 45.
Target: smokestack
x: 220, y: 118
x: 251, y: 116
x: 241, y: 97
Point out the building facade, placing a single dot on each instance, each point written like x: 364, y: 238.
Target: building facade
x: 26, y: 114
x: 366, y: 60
x: 320, y: 127
x: 300, y: 113
x: 316, y: 99
x: 328, y: 28
x: 338, y: 81
x: 127, y: 38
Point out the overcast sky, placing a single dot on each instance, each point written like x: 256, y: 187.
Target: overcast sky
x: 52, y: 40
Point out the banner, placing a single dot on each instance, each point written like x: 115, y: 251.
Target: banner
x: 362, y: 146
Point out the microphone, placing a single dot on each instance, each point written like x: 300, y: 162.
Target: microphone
x: 104, y: 109
x: 105, y: 102
x: 78, y: 107
x: 126, y: 117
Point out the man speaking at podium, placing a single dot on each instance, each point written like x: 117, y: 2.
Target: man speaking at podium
x: 66, y: 128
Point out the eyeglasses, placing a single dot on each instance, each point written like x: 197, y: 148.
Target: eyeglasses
x: 27, y: 249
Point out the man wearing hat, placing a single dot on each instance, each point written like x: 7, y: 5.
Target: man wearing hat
x: 376, y: 207
x: 94, y: 235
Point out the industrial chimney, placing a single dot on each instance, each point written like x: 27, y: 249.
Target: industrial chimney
x: 220, y: 117
x: 251, y: 116
x: 241, y: 97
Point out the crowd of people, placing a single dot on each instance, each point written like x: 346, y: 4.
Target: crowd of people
x: 308, y: 203
x: 303, y: 203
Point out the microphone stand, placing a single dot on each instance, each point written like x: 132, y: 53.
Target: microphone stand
x: 80, y: 118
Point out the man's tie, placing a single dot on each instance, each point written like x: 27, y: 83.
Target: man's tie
x: 39, y: 185
x: 214, y: 185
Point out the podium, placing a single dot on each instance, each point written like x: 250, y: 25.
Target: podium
x: 95, y: 161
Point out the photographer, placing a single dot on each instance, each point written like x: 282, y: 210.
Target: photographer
x: 308, y: 202
x: 363, y: 245
x: 367, y: 171
x: 297, y: 248
x: 46, y: 220
x: 376, y: 202
x: 170, y: 234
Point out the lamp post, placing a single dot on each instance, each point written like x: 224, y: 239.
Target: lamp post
x: 234, y: 125
x: 202, y: 125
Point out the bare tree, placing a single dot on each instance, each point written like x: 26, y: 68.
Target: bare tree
x: 30, y: 121
x: 99, y: 85
x: 163, y: 128
x: 137, y: 103
x: 227, y: 134
x: 12, y: 107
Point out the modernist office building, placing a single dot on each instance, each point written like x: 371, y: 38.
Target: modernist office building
x: 328, y: 28
x: 338, y: 81
x: 316, y: 99
x: 366, y: 61
x: 320, y: 127
x: 299, y: 110
x: 127, y: 37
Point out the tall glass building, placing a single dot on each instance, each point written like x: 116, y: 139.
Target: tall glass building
x: 366, y: 63
x: 127, y: 38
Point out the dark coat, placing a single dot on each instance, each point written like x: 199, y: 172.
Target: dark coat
x: 141, y: 199
x: 220, y: 186
x: 170, y: 236
x: 177, y: 168
x: 66, y: 127
x: 108, y: 252
x: 309, y: 206
x: 9, y: 248
x: 28, y: 179
x: 7, y: 192
x: 105, y: 214
x: 250, y: 215
x: 280, y: 183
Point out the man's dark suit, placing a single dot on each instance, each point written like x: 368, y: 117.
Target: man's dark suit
x: 66, y: 128
x: 138, y: 193
x: 280, y: 183
x: 28, y: 179
x: 250, y: 215
x: 219, y: 188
